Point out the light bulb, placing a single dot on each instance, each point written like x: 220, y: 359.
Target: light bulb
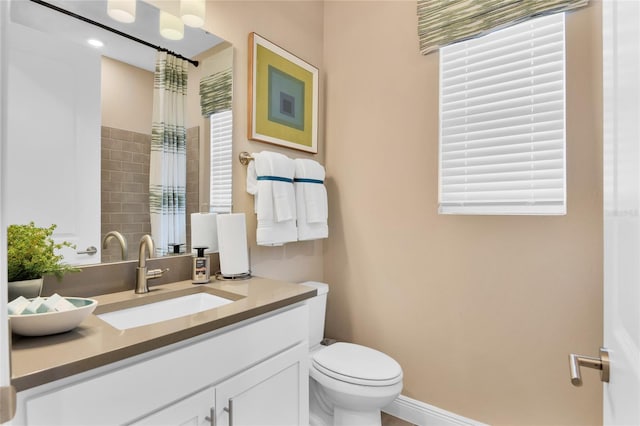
x: 122, y: 10
x: 192, y: 12
x: 95, y: 42
x: 171, y: 26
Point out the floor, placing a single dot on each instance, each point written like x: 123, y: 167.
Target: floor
x: 389, y: 420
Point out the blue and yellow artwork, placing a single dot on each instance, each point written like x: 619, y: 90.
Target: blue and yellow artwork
x: 286, y: 99
x: 284, y: 104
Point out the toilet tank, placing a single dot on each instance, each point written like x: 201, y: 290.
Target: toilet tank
x: 317, y: 307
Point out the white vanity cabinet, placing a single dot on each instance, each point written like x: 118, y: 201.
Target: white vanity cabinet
x: 254, y: 372
x: 270, y: 394
x: 194, y: 410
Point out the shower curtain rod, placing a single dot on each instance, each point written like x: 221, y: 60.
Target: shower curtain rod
x: 113, y: 30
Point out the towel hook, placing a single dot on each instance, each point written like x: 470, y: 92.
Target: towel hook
x: 245, y: 158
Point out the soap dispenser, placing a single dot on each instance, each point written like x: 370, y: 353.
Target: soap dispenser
x: 201, y: 269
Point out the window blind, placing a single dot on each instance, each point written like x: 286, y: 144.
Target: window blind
x: 220, y: 174
x: 502, y: 121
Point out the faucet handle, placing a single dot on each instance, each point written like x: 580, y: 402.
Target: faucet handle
x: 156, y: 273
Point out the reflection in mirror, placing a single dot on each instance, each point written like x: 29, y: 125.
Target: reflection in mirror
x: 80, y: 125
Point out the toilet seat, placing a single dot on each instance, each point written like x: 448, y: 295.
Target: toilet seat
x: 357, y: 364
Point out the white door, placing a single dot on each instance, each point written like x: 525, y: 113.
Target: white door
x: 5, y: 373
x: 53, y: 138
x: 621, y: 48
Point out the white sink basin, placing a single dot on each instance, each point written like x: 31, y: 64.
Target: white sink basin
x: 163, y: 310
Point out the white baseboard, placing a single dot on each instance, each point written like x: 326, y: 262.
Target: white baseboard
x: 422, y: 414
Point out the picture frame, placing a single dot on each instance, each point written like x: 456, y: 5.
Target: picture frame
x: 283, y: 97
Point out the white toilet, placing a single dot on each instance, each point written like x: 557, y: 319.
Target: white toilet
x: 348, y: 383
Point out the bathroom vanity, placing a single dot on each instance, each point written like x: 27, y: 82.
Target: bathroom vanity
x: 245, y: 362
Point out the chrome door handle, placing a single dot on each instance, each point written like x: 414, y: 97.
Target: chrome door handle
x: 89, y: 250
x: 602, y: 364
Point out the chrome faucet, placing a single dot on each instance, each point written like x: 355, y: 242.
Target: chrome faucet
x: 142, y: 275
x: 124, y: 250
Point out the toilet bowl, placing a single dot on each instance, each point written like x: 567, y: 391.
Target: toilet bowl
x: 349, y: 383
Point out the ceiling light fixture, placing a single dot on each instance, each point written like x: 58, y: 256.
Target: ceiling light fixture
x: 95, y: 42
x: 192, y: 12
x: 171, y: 27
x: 122, y: 10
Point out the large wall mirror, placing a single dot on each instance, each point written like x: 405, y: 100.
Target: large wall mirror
x: 79, y: 123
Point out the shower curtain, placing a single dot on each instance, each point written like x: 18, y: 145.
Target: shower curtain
x: 168, y: 162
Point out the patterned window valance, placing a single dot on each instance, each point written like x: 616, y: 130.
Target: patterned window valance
x: 442, y: 22
x: 216, y: 92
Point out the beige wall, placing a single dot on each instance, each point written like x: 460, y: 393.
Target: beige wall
x: 481, y: 311
x: 297, y: 27
x: 127, y: 96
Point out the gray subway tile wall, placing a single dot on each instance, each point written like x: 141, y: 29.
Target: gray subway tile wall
x: 125, y: 186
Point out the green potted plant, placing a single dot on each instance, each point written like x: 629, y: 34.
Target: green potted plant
x: 31, y: 254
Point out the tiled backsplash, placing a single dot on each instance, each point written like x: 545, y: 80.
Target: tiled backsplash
x: 105, y: 278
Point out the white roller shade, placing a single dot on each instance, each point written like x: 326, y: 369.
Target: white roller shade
x: 221, y: 138
x: 502, y: 121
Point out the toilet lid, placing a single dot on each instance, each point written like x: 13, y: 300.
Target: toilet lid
x: 357, y: 364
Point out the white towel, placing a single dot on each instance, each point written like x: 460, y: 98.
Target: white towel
x: 311, y: 200
x: 274, y: 196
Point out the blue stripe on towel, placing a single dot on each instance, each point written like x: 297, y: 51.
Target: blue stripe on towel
x: 305, y: 180
x: 276, y: 178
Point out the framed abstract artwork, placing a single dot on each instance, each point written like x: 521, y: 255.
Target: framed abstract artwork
x: 283, y: 97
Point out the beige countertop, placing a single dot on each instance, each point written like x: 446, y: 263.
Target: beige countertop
x: 94, y: 343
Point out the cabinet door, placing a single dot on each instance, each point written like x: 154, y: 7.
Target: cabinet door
x: 274, y: 392
x: 194, y: 410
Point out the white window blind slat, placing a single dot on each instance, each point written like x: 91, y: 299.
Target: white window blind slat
x: 539, y: 137
x: 506, y: 167
x: 489, y: 187
x: 499, y: 177
x: 468, y: 105
x: 546, y: 195
x: 529, y: 88
x: 493, y: 151
x: 509, y: 70
x: 509, y: 122
x: 482, y: 117
x: 507, y: 132
x: 502, y: 122
x: 521, y: 157
x: 501, y: 56
x: 510, y: 34
x: 220, y: 197
x: 509, y: 107
x: 503, y: 81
